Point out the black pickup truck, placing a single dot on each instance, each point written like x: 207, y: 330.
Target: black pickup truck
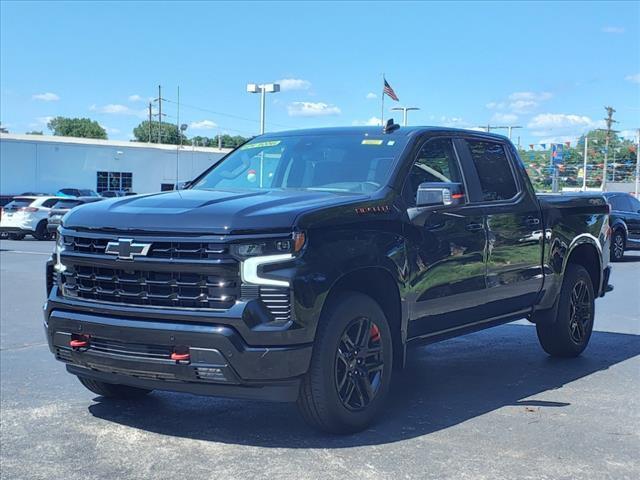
x: 303, y: 265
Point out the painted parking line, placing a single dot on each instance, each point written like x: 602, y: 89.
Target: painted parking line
x: 2, y: 250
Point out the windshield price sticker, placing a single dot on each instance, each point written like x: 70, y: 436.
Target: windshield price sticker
x: 368, y: 141
x: 270, y: 143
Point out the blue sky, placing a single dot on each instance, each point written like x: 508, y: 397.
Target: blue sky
x: 550, y: 67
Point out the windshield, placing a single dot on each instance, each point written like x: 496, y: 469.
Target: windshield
x: 341, y: 163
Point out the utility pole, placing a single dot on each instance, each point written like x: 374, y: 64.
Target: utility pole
x: 609, y: 121
x: 150, y: 121
x: 160, y: 114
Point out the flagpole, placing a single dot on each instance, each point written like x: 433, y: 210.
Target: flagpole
x: 382, y: 98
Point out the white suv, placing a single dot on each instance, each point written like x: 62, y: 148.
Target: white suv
x: 27, y: 215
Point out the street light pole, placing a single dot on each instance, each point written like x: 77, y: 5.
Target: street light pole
x: 404, y: 113
x: 263, y: 89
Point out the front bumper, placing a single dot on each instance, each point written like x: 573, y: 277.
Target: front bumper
x: 138, y: 353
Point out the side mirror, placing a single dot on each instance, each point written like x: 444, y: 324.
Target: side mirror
x: 439, y: 194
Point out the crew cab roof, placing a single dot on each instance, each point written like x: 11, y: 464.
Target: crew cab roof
x: 399, y: 132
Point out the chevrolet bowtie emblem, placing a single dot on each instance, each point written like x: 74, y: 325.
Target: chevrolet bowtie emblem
x: 125, y: 249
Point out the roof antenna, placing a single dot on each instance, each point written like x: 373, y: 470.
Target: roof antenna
x: 390, y: 126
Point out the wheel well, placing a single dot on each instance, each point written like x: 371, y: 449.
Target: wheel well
x: 378, y: 284
x: 587, y: 256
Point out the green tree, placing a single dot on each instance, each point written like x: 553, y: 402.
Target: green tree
x: 159, y: 133
x: 76, y: 127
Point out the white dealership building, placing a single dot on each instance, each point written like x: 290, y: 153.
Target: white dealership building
x: 41, y: 163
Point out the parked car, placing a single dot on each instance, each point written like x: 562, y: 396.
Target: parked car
x: 625, y: 223
x: 76, y: 192
x: 4, y: 199
x: 27, y: 215
x: 310, y: 284
x: 117, y: 193
x: 62, y: 206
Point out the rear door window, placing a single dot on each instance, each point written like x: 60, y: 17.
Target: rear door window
x: 66, y: 204
x: 494, y: 171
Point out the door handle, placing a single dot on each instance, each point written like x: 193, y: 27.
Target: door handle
x: 532, y: 221
x: 474, y: 227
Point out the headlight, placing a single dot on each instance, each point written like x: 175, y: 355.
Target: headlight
x: 255, y: 255
x: 292, y: 245
x: 59, y: 248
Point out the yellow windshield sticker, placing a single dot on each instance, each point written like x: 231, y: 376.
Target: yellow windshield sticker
x: 270, y: 143
x: 371, y: 141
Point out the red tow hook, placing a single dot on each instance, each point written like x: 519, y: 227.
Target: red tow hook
x: 180, y: 357
x: 79, y: 342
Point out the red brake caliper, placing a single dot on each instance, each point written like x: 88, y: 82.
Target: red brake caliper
x: 375, y: 332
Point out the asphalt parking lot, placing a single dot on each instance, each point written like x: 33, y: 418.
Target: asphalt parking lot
x: 488, y: 405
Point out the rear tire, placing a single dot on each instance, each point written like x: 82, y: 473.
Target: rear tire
x: 569, y: 334
x: 348, y: 380
x: 16, y: 236
x: 41, y: 232
x: 618, y: 244
x: 111, y: 390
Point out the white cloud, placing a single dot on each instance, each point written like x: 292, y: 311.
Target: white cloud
x: 372, y: 122
x: 495, y: 105
x: 453, y: 122
x: 135, y: 98
x: 635, y: 78
x: 290, y: 84
x: 523, y: 106
x: 520, y: 102
x: 613, y: 29
x: 504, y: 117
x: 371, y: 96
x: 41, y: 122
x: 560, y: 120
x: 533, y: 96
x: 312, y: 109
x: 46, y: 97
x: 203, y: 125
x: 118, y: 109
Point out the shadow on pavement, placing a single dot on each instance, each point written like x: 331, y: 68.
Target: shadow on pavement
x: 443, y: 385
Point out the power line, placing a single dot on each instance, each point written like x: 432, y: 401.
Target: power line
x: 237, y: 117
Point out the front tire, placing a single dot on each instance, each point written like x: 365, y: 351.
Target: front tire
x: 618, y: 243
x: 569, y: 334
x: 16, y: 236
x: 111, y: 390
x: 351, y: 367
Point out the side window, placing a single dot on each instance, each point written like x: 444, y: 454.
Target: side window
x: 494, y: 172
x: 50, y: 203
x: 635, y: 204
x: 618, y: 203
x: 436, y: 162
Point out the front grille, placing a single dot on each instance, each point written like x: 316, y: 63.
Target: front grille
x: 178, y: 250
x: 179, y: 274
x: 163, y: 289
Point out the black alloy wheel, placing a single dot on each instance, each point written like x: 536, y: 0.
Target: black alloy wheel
x: 617, y: 246
x: 359, y: 364
x: 580, y: 312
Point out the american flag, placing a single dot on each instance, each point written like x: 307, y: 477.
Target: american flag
x: 389, y: 91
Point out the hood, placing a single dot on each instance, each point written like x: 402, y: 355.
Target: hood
x: 202, y: 211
